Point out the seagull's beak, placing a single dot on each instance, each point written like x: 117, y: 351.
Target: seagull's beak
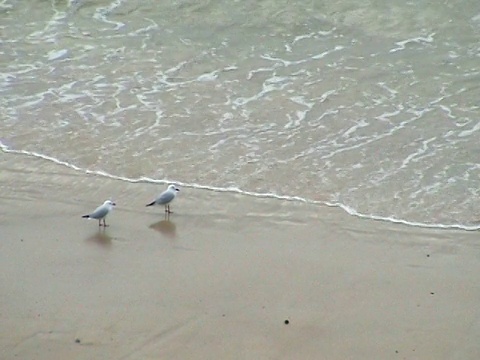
x: 177, y: 189
x: 114, y: 204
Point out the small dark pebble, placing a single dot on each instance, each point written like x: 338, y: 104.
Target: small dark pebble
x: 428, y: 255
x: 77, y: 341
x: 223, y: 315
x: 396, y: 351
x: 287, y: 322
x: 432, y: 293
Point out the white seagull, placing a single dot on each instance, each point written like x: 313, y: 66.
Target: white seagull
x: 165, y: 198
x: 101, y: 212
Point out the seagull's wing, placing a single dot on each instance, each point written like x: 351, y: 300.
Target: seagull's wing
x: 165, y: 197
x: 100, y: 212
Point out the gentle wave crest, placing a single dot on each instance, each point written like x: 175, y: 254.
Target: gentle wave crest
x: 349, y: 210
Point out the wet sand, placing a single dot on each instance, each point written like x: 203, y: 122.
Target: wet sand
x: 220, y: 277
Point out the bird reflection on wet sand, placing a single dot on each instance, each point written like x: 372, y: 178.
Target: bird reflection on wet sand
x: 165, y: 227
x: 101, y: 238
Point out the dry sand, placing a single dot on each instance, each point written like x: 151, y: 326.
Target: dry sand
x: 219, y: 279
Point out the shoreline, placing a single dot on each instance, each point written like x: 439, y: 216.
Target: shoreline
x: 221, y: 277
x: 68, y: 167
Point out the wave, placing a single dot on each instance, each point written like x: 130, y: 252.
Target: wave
x: 349, y: 210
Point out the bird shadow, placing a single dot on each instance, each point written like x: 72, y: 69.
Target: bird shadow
x: 165, y: 227
x: 100, y: 238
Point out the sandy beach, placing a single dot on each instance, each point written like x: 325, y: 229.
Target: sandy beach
x: 225, y: 277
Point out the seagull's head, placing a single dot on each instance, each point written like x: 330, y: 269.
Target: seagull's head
x: 109, y: 202
x: 173, y: 188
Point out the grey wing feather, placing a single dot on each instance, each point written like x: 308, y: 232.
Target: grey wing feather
x: 99, y: 212
x: 165, y: 198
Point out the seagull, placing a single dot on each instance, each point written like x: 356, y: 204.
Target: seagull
x: 101, y: 212
x: 165, y: 198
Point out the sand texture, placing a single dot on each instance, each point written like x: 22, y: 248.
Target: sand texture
x: 220, y: 277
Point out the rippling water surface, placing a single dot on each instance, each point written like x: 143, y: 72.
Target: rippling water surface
x: 371, y: 106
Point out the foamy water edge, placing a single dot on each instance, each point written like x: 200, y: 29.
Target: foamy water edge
x: 349, y: 210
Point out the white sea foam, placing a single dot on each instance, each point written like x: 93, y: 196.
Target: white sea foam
x: 233, y: 189
x: 302, y: 61
x: 469, y: 132
x: 401, y: 45
x: 102, y: 14
x: 211, y: 76
x: 57, y: 54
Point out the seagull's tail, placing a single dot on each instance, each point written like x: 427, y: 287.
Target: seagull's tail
x: 86, y: 216
x: 152, y: 203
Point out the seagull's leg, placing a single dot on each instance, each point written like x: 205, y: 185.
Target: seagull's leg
x: 99, y: 222
x: 104, y: 224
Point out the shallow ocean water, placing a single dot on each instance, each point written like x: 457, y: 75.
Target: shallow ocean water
x: 372, y: 106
